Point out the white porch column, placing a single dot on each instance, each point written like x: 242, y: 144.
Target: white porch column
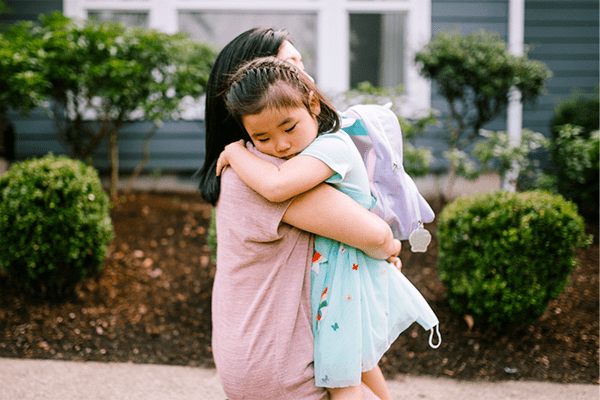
x: 74, y: 9
x: 163, y: 16
x: 516, y: 34
x: 333, y: 53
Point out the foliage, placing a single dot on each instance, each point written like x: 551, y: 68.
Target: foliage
x: 497, y: 152
x: 475, y: 74
x: 503, y: 256
x: 576, y: 156
x: 580, y: 110
x: 417, y: 160
x: 574, y: 148
x: 111, y: 73
x: 22, y: 86
x: 55, y: 225
x: 211, y: 238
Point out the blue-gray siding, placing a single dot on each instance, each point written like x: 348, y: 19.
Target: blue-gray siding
x: 28, y: 9
x: 178, y: 146
x: 563, y: 34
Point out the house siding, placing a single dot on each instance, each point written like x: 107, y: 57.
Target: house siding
x: 29, y: 10
x: 562, y: 34
x: 177, y: 146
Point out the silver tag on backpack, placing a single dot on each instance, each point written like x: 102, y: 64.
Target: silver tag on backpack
x: 419, y: 239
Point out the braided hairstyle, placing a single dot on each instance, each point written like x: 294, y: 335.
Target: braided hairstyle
x: 221, y: 129
x: 271, y: 83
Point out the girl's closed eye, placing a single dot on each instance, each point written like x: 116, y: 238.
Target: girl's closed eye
x: 291, y: 129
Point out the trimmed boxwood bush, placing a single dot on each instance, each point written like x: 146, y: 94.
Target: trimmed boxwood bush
x: 503, y: 256
x: 55, y: 225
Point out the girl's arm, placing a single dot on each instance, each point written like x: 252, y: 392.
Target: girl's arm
x: 276, y: 184
x: 326, y: 211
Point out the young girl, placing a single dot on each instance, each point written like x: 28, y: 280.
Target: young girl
x: 359, y: 304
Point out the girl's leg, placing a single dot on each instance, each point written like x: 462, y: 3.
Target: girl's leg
x: 346, y: 393
x: 376, y: 382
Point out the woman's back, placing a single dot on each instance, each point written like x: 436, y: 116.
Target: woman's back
x: 262, y: 337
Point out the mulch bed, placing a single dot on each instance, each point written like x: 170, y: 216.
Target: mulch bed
x: 151, y: 304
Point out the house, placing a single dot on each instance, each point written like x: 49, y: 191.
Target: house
x: 343, y: 42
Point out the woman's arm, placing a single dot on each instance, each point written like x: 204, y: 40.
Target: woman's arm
x: 326, y: 211
x: 274, y: 183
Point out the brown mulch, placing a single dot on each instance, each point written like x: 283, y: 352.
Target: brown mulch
x: 151, y: 304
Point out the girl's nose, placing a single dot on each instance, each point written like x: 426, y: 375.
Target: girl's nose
x: 283, y: 145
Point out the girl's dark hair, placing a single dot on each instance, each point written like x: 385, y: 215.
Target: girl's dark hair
x: 270, y: 83
x: 221, y: 129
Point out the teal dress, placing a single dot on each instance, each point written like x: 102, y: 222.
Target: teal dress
x: 359, y: 304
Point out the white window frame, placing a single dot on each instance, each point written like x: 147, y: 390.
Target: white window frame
x: 333, y: 50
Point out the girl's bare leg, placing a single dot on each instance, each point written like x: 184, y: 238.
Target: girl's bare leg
x: 376, y: 382
x: 346, y: 393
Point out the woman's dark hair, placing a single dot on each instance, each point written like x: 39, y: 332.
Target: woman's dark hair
x: 271, y: 83
x: 220, y: 128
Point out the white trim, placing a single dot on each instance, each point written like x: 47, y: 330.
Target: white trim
x: 514, y: 119
x: 333, y: 52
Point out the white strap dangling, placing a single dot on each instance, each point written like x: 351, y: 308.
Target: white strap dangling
x: 435, y: 329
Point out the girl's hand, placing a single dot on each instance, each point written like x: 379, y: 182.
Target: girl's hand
x: 395, y: 258
x: 396, y: 262
x: 223, y: 161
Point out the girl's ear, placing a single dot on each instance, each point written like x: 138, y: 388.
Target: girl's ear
x: 314, y: 103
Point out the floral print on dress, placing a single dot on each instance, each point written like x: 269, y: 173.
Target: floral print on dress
x: 322, y: 311
x: 316, y: 262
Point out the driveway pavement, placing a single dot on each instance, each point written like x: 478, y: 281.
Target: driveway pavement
x: 69, y: 380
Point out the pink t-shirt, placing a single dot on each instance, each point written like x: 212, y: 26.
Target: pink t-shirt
x: 262, y: 338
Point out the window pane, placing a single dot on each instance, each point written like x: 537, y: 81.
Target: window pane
x: 131, y: 18
x: 377, y: 49
x: 216, y: 29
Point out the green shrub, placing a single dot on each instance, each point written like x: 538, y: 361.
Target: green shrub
x: 55, y: 225
x: 574, y: 149
x: 211, y: 239
x: 503, y: 256
x: 580, y: 110
x: 475, y: 74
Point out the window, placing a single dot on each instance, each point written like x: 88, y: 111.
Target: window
x: 215, y: 27
x: 376, y: 49
x: 134, y: 18
x: 343, y: 42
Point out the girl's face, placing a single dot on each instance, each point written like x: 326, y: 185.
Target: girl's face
x: 285, y: 132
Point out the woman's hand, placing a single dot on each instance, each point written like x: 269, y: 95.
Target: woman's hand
x: 223, y: 161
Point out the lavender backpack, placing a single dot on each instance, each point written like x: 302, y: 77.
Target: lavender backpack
x: 376, y: 133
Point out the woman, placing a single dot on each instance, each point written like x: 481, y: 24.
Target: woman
x: 262, y: 336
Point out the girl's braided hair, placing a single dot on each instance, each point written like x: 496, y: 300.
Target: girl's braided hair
x: 271, y: 83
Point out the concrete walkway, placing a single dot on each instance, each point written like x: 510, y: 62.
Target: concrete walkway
x: 65, y: 380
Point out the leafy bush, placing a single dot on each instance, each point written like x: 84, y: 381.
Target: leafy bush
x: 55, y: 226
x: 578, y: 110
x: 503, y: 256
x: 574, y: 149
x: 107, y: 71
x: 211, y: 238
x: 475, y: 74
